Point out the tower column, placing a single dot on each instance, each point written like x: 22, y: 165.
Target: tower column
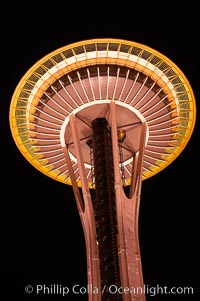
x: 109, y: 218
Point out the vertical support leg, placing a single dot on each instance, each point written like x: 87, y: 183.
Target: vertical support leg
x: 87, y: 217
x: 127, y: 218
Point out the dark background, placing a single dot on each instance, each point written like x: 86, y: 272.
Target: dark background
x: 42, y: 237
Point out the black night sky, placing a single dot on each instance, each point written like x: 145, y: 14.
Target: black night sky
x: 42, y: 237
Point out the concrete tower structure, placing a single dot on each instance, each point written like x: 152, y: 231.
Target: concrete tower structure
x: 103, y: 115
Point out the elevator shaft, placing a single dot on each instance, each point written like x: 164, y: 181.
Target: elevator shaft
x: 105, y: 208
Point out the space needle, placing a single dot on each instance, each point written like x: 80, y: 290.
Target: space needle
x: 102, y: 115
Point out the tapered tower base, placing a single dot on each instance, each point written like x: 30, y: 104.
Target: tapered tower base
x: 109, y: 217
